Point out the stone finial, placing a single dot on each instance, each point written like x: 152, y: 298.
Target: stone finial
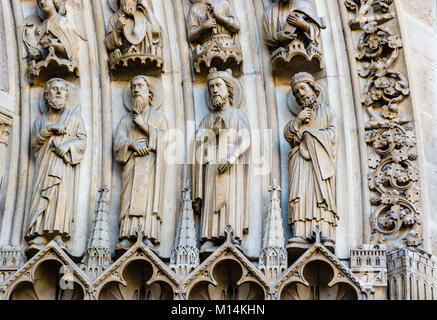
x: 98, y: 255
x: 273, y: 256
x: 185, y: 254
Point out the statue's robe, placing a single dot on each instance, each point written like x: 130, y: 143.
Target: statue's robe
x: 141, y: 31
x: 199, y: 14
x: 225, y: 196
x: 52, y: 202
x: 142, y: 177
x: 275, y: 20
x: 311, y: 168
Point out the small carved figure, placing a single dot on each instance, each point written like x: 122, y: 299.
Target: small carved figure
x: 59, y: 144
x: 311, y: 165
x: 51, y: 43
x: 134, y: 35
x: 292, y: 32
x: 139, y: 147
x: 221, y: 175
x: 213, y: 29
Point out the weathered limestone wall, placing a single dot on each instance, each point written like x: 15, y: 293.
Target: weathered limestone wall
x: 419, y: 32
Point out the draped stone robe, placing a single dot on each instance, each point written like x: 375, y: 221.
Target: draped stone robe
x: 311, y: 169
x: 225, y: 196
x: 142, y: 177
x: 199, y: 14
x: 52, y: 202
x: 275, y: 20
x: 142, y: 31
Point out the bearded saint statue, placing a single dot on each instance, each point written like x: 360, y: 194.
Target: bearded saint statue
x: 221, y: 176
x: 59, y: 144
x: 139, y: 148
x: 311, y: 165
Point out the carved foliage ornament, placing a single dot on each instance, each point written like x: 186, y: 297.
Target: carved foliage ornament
x: 393, y: 176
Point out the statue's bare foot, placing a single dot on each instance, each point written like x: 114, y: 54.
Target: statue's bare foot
x: 148, y: 243
x: 124, y: 244
x: 207, y: 246
x: 298, y: 240
x: 60, y: 242
x: 39, y: 241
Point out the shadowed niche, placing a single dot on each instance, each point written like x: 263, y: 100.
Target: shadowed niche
x: 136, y: 276
x: 227, y: 273
x: 318, y: 274
x: 49, y: 283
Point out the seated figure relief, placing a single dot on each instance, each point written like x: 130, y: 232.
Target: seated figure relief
x: 213, y: 31
x: 292, y: 32
x: 311, y: 166
x: 134, y: 38
x: 51, y: 42
x: 139, y: 147
x: 59, y: 141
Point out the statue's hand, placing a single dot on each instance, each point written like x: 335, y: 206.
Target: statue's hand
x: 121, y: 22
x: 224, y: 165
x: 138, y: 120
x: 304, y: 116
x: 210, y: 24
x: 285, y: 36
x: 60, y: 150
x: 57, y: 129
x: 298, y: 22
x: 140, y: 149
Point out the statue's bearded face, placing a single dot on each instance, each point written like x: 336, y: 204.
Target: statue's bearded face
x: 129, y: 6
x: 57, y: 95
x: 305, y: 95
x: 46, y: 6
x: 140, y: 94
x: 219, y: 93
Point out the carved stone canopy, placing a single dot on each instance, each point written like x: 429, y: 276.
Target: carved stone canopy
x: 49, y: 275
x: 137, y: 275
x: 301, y: 281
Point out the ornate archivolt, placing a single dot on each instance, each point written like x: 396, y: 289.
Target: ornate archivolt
x: 393, y: 176
x: 49, y: 275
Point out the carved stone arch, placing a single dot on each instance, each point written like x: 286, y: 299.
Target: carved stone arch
x: 49, y: 275
x: 226, y: 275
x: 319, y: 275
x: 137, y: 275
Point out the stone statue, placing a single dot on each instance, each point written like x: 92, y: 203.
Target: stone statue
x: 311, y: 165
x: 221, y: 175
x: 139, y: 147
x: 292, y: 32
x: 213, y: 30
x: 134, y: 35
x: 51, y: 43
x: 59, y: 144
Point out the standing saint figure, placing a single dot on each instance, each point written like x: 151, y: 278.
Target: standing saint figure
x: 213, y: 28
x: 59, y: 144
x: 139, y: 147
x: 221, y: 175
x: 133, y: 31
x: 311, y: 165
x: 54, y: 38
